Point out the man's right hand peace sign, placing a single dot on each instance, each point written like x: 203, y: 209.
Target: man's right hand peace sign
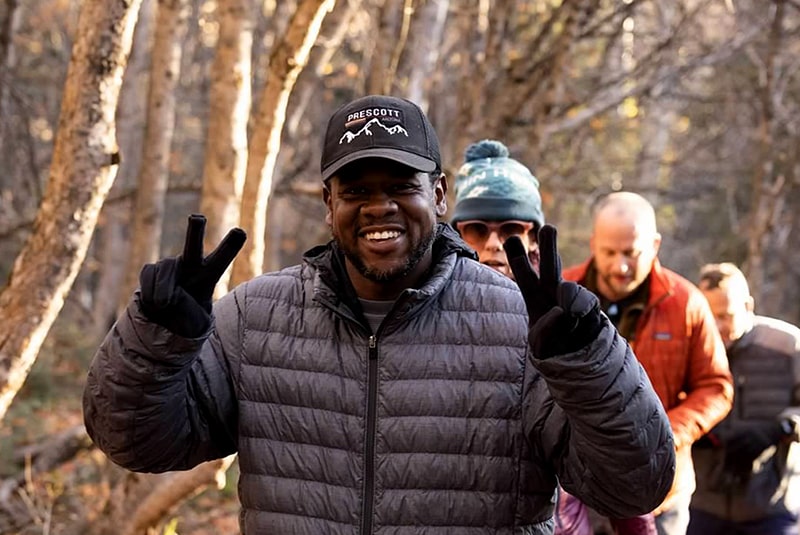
x: 562, y: 316
x: 176, y: 292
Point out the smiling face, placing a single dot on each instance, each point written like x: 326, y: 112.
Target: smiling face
x: 383, y: 216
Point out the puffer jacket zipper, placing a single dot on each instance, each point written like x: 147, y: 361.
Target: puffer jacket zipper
x: 369, y: 447
x: 367, y: 509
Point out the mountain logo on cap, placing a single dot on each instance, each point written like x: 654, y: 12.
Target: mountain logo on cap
x: 349, y: 136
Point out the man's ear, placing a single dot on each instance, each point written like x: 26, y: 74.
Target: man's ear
x: 656, y: 242
x: 440, y: 195
x: 326, y: 198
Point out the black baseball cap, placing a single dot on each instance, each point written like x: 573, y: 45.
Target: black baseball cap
x: 380, y: 126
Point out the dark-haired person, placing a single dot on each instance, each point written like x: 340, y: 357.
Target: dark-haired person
x: 748, y: 473
x: 390, y: 383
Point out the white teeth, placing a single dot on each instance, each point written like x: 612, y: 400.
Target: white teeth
x: 385, y: 235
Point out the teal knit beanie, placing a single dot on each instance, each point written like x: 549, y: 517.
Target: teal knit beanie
x: 493, y: 187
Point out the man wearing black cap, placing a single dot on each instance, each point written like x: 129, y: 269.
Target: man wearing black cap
x: 389, y: 384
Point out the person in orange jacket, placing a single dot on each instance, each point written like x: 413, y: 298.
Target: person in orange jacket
x: 668, y: 323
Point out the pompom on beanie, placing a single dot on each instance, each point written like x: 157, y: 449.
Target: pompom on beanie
x: 494, y: 187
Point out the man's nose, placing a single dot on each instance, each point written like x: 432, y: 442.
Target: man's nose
x: 622, y: 265
x: 379, y: 204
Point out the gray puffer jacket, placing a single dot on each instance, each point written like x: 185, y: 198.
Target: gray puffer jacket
x: 438, y: 423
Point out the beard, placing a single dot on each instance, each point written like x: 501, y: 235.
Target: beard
x: 387, y: 275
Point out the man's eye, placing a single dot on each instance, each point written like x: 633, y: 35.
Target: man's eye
x: 404, y: 187
x: 353, y: 190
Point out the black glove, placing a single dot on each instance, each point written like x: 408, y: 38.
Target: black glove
x: 563, y: 316
x: 176, y: 292
x: 744, y: 446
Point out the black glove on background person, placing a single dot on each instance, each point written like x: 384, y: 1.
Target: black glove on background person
x: 744, y: 446
x: 176, y: 292
x: 563, y: 316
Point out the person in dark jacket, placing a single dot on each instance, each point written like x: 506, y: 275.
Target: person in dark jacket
x: 389, y: 384
x: 748, y: 475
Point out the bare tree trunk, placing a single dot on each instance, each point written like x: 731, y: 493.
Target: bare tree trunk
x: 110, y: 242
x: 148, y: 214
x: 8, y: 61
x: 399, y: 41
x: 766, y: 188
x: 324, y: 51
x: 225, y: 163
x: 467, y: 90
x: 84, y: 164
x: 378, y: 56
x: 287, y: 60
x: 419, y: 61
x: 111, y: 236
x: 656, y: 129
x: 294, y: 147
x: 144, y: 502
x: 543, y: 72
x: 656, y: 134
x: 172, y: 490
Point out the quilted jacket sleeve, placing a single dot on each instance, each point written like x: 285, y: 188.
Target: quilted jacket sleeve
x: 594, y: 416
x: 155, y: 401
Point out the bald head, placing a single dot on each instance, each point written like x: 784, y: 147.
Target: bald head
x: 628, y: 207
x: 624, y: 243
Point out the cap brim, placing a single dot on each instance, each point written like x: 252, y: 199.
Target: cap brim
x: 414, y: 161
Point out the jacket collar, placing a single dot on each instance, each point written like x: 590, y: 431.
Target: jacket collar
x: 660, y: 284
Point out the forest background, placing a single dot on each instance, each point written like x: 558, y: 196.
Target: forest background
x: 118, y: 118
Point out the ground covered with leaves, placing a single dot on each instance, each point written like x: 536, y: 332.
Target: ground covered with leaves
x: 80, y: 488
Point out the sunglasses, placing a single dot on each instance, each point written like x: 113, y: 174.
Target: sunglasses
x: 479, y: 231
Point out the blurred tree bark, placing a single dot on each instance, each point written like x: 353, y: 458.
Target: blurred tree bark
x: 84, y: 164
x: 225, y: 163
x: 137, y: 503
x: 8, y: 60
x: 655, y: 133
x: 378, y: 50
x: 112, y: 239
x: 417, y: 63
x: 148, y: 211
x: 288, y: 58
x: 15, y: 207
x: 296, y: 152
x: 768, y: 180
